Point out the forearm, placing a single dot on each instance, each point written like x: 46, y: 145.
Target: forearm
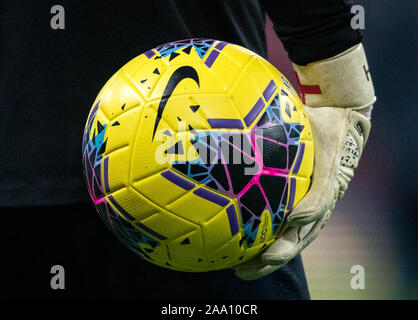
x: 313, y: 30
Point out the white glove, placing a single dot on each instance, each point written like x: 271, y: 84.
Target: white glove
x: 340, y: 119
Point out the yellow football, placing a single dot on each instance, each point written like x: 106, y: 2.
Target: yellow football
x: 195, y: 152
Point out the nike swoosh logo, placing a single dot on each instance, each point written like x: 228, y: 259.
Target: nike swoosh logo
x: 185, y: 72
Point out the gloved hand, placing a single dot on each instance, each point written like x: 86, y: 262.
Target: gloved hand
x: 338, y: 96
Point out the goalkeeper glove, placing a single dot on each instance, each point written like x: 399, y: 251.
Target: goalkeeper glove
x: 338, y: 96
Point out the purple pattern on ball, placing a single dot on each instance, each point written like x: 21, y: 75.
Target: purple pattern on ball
x: 254, y: 112
x: 226, y: 123
x: 298, y: 161
x: 105, y: 173
x: 178, y: 180
x: 149, y: 54
x: 233, y: 221
x: 211, y: 196
x: 268, y: 92
x: 211, y: 59
x: 221, y: 45
x: 150, y: 231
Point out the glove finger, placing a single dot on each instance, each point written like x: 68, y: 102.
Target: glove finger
x: 254, y: 270
x: 305, y: 213
x: 293, y: 241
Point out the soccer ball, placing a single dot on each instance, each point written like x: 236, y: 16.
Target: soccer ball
x: 195, y: 152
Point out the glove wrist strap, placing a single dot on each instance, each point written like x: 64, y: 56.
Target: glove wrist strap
x: 341, y: 81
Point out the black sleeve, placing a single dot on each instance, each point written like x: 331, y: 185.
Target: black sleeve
x: 312, y: 30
